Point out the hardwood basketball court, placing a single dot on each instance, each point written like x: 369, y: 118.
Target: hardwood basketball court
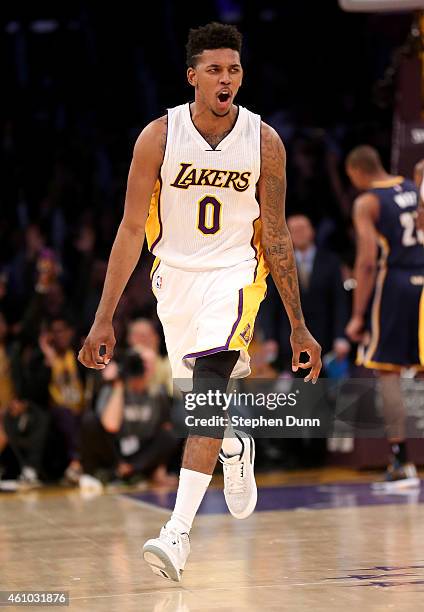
x: 327, y: 544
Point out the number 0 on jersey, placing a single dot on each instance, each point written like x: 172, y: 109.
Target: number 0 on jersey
x: 209, y: 210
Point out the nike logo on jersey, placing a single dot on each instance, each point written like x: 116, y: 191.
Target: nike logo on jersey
x: 189, y: 176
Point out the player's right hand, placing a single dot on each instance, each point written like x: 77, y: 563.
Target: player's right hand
x: 101, y: 334
x: 355, y: 328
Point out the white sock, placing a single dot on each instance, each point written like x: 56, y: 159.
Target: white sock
x: 231, y: 445
x: 191, y: 490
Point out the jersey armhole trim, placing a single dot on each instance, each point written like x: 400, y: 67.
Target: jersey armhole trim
x: 259, y: 163
x: 167, y: 140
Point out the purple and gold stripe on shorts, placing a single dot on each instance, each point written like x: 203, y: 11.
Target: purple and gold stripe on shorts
x: 225, y: 346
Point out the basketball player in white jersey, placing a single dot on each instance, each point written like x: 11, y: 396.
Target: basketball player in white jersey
x: 216, y: 224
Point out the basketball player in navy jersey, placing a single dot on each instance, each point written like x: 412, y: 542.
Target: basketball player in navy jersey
x: 385, y: 216
x: 216, y: 224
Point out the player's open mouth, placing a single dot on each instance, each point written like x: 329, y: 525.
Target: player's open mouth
x: 224, y: 96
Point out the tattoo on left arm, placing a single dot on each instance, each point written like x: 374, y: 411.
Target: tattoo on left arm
x: 276, y: 238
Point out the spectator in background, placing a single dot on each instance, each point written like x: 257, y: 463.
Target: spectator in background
x: 6, y: 382
x: 48, y: 300
x: 135, y: 301
x: 65, y: 388
x: 323, y: 298
x: 325, y: 308
x: 85, y: 272
x: 91, y: 291
x: 10, y: 306
x: 30, y: 375
x: 143, y: 337
x: 26, y: 428
x: 23, y: 268
x: 310, y: 183
x: 3, y: 446
x: 130, y: 434
x: 262, y: 356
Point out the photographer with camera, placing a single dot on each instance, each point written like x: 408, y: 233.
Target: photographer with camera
x: 130, y: 434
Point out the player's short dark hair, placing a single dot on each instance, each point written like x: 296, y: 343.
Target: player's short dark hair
x: 364, y: 158
x: 211, y: 36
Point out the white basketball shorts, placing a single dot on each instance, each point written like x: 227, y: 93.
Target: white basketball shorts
x: 207, y: 312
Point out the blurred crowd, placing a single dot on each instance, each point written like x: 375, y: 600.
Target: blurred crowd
x: 68, y: 124
x: 59, y: 421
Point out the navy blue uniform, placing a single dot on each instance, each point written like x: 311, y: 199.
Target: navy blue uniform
x: 397, y: 314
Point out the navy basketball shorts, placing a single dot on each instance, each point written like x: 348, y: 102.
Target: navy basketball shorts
x: 397, y: 321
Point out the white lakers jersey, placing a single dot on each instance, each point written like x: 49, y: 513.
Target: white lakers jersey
x: 204, y: 214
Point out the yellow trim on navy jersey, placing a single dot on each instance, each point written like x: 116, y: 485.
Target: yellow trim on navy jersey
x: 385, y: 367
x: 396, y: 180
x: 376, y: 305
x: 390, y: 367
x: 375, y: 315
x: 385, y: 248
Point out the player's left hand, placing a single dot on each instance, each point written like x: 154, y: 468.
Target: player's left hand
x: 355, y: 328
x: 302, y: 341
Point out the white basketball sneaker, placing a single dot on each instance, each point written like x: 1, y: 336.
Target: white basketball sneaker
x: 399, y: 476
x: 240, y: 489
x: 167, y: 554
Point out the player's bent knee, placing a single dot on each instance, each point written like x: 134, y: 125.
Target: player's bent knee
x: 206, y: 415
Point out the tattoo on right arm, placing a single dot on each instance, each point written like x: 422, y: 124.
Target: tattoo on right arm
x: 162, y: 144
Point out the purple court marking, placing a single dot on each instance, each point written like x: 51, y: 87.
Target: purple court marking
x: 309, y: 497
x: 388, y: 583
x: 389, y: 572
x: 369, y: 576
x: 390, y: 568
